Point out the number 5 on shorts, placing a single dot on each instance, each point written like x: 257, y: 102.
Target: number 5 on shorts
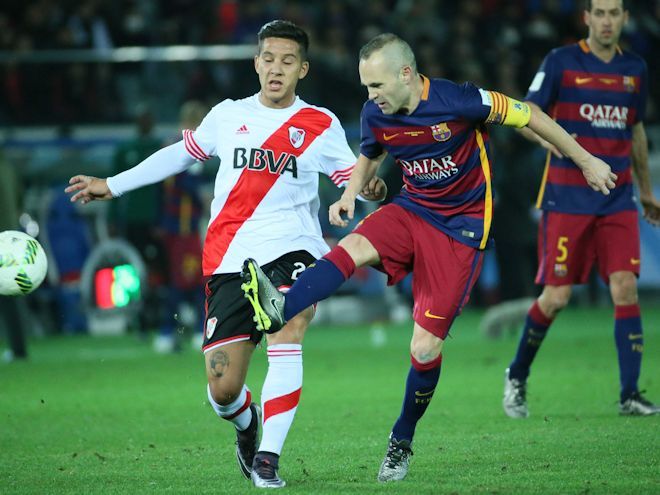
x: 563, y: 250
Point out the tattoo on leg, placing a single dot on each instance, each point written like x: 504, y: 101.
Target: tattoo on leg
x: 218, y: 363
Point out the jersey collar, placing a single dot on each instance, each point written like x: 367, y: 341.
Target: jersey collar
x: 296, y: 103
x: 586, y: 49
x: 427, y: 86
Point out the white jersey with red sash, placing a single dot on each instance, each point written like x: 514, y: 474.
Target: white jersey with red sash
x: 266, y: 190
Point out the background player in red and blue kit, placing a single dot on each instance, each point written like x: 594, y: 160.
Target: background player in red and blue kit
x: 181, y: 214
x: 597, y: 92
x: 436, y: 228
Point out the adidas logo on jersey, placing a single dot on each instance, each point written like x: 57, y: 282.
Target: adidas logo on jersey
x: 242, y: 130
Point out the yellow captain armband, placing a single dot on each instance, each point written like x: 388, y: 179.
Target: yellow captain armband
x: 506, y: 111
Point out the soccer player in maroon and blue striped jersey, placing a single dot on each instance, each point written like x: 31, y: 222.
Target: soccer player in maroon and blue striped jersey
x: 597, y: 92
x: 438, y: 225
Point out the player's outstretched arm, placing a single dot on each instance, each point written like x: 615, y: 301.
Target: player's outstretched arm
x: 160, y: 165
x: 597, y: 173
x: 364, y: 171
x: 640, y: 164
x: 530, y: 135
x: 87, y: 188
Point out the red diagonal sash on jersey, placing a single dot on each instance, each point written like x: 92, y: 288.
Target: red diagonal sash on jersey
x: 252, y: 186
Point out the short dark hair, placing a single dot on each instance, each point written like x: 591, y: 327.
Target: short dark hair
x: 287, y: 30
x: 382, y: 40
x: 588, y: 6
x: 376, y: 43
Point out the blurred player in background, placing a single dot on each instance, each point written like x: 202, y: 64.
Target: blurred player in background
x: 437, y: 226
x: 272, y: 147
x: 136, y: 217
x: 180, y: 232
x: 597, y: 92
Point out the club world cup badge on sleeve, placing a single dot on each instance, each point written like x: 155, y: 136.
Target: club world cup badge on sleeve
x: 296, y: 136
x: 441, y: 132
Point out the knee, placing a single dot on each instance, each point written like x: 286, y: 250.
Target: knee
x: 623, y: 287
x: 294, y: 330
x: 359, y: 249
x: 552, y: 301
x: 426, y: 354
x: 223, y: 391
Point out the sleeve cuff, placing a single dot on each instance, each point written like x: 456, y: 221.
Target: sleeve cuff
x: 110, y: 181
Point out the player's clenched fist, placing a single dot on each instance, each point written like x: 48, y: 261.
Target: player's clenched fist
x: 337, y: 209
x: 87, y: 188
x: 375, y: 190
x: 651, y: 209
x: 599, y: 175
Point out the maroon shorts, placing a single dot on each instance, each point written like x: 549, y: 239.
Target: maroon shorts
x: 569, y: 244
x: 444, y: 270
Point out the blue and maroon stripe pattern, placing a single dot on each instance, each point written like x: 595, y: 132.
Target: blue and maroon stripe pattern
x: 598, y: 102
x: 443, y: 151
x: 182, y: 206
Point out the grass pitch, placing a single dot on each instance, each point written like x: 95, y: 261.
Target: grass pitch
x: 106, y: 415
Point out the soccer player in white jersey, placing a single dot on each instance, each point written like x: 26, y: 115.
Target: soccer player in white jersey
x: 272, y: 147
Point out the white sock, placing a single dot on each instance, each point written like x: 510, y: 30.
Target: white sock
x: 281, y: 394
x: 237, y: 412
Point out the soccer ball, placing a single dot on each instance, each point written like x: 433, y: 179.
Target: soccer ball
x: 23, y: 263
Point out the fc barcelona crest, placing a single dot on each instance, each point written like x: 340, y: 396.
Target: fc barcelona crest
x: 629, y: 83
x: 296, y: 136
x: 440, y: 132
x: 561, y: 270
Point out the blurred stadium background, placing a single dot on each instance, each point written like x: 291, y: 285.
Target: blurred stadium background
x: 94, y: 86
